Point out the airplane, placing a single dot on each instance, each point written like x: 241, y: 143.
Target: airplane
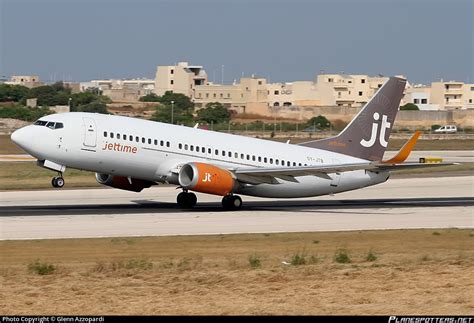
x: 133, y: 154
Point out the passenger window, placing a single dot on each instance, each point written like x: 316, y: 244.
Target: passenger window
x: 299, y: 164
x: 186, y: 147
x: 156, y: 142
x: 271, y: 160
x: 112, y: 135
x: 118, y: 136
x: 288, y: 164
x: 229, y: 154
x: 197, y: 148
x: 149, y: 141
x: 216, y: 152
x: 259, y: 159
x: 137, y: 139
x: 180, y: 146
x: 143, y: 139
x: 253, y: 157
x: 209, y: 151
x: 191, y: 148
x: 242, y: 156
x: 248, y: 157
x: 105, y: 134
x: 294, y: 164
x: 223, y: 153
x: 265, y: 159
x: 203, y: 150
x: 130, y: 138
x: 277, y: 162
x: 161, y: 143
x: 236, y: 155
x: 167, y: 144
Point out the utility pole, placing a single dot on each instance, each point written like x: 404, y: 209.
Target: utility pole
x: 222, y: 75
x: 172, y: 112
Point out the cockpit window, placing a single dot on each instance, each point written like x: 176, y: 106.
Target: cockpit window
x: 50, y: 124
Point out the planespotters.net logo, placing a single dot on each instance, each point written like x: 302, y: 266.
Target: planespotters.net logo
x: 452, y: 319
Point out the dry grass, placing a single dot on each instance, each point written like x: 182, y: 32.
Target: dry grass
x: 27, y: 175
x: 415, y: 272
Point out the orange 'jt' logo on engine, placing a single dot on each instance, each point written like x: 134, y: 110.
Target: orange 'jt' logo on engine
x: 207, y: 178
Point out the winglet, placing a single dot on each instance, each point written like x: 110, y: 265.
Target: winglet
x: 403, y: 153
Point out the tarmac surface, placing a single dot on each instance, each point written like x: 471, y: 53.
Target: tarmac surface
x: 397, y: 204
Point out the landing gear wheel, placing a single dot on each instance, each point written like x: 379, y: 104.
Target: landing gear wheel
x: 231, y: 202
x: 57, y: 181
x: 186, y: 200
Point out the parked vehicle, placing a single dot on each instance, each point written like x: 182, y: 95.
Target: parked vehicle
x: 447, y: 129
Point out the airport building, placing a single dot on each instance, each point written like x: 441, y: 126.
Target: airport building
x: 180, y: 78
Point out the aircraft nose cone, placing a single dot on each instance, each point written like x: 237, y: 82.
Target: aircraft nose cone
x: 20, y: 137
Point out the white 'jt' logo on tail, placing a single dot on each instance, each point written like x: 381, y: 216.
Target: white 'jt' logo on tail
x: 373, y: 136
x: 207, y: 178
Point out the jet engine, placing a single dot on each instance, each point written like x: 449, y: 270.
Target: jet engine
x: 123, y: 183
x: 206, y: 178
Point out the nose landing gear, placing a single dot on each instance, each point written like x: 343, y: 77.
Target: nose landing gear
x: 58, y: 181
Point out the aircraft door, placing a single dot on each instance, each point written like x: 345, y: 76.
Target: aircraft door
x: 90, y: 132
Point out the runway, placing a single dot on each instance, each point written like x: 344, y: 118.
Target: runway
x: 396, y: 204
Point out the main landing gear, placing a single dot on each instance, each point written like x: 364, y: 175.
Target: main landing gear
x: 231, y: 202
x: 188, y: 200
x: 58, y: 181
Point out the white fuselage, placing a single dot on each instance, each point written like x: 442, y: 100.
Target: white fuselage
x: 155, y: 151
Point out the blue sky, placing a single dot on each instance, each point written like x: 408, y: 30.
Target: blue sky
x: 280, y: 40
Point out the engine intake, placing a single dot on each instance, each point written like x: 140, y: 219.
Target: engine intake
x: 206, y: 178
x: 121, y: 182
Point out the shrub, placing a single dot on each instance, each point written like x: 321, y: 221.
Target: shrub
x: 342, y: 256
x: 41, y: 268
x: 298, y: 259
x: 254, y: 261
x: 371, y: 256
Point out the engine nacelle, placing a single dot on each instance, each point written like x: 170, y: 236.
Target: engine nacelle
x: 206, y: 178
x: 121, y: 182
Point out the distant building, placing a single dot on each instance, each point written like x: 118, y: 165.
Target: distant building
x: 29, y: 81
x: 181, y: 78
x: 249, y: 95
x: 121, y: 90
x: 452, y: 95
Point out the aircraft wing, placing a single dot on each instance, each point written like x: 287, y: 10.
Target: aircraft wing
x: 271, y: 175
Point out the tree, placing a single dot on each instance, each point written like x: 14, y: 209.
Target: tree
x: 14, y: 93
x: 177, y: 104
x: 152, y: 97
x: 96, y: 106
x: 214, y: 112
x: 23, y: 113
x: 409, y: 107
x: 320, y: 122
x: 163, y: 114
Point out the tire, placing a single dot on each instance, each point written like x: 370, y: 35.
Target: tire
x: 186, y: 200
x: 231, y: 202
x: 53, y: 182
x: 59, y: 182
